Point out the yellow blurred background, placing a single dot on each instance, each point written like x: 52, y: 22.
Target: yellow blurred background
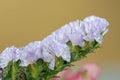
x: 23, y: 21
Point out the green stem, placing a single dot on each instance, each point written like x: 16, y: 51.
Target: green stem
x: 13, y: 72
x: 34, y: 71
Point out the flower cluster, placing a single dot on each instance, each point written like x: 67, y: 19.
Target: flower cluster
x: 91, y: 29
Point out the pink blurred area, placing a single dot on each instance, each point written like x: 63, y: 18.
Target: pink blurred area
x: 88, y: 71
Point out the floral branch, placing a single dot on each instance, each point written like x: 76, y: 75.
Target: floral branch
x: 42, y: 60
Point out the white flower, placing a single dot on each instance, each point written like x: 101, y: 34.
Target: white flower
x: 47, y: 57
x: 34, y: 51
x: 88, y: 31
x: 9, y: 54
x: 77, y: 39
x: 76, y: 36
x: 100, y: 24
x: 95, y: 28
x: 56, y: 48
x: 75, y: 26
x: 61, y: 35
x: 28, y: 53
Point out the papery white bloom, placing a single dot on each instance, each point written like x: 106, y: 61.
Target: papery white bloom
x: 100, y: 24
x: 95, y: 28
x: 75, y: 26
x: 77, y: 39
x: 56, y: 48
x: 88, y: 31
x: 9, y: 54
x: 70, y: 32
x: 47, y: 57
x: 61, y: 35
x: 76, y: 36
x: 28, y: 53
x: 34, y: 51
x: 23, y: 56
x: 42, y: 53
